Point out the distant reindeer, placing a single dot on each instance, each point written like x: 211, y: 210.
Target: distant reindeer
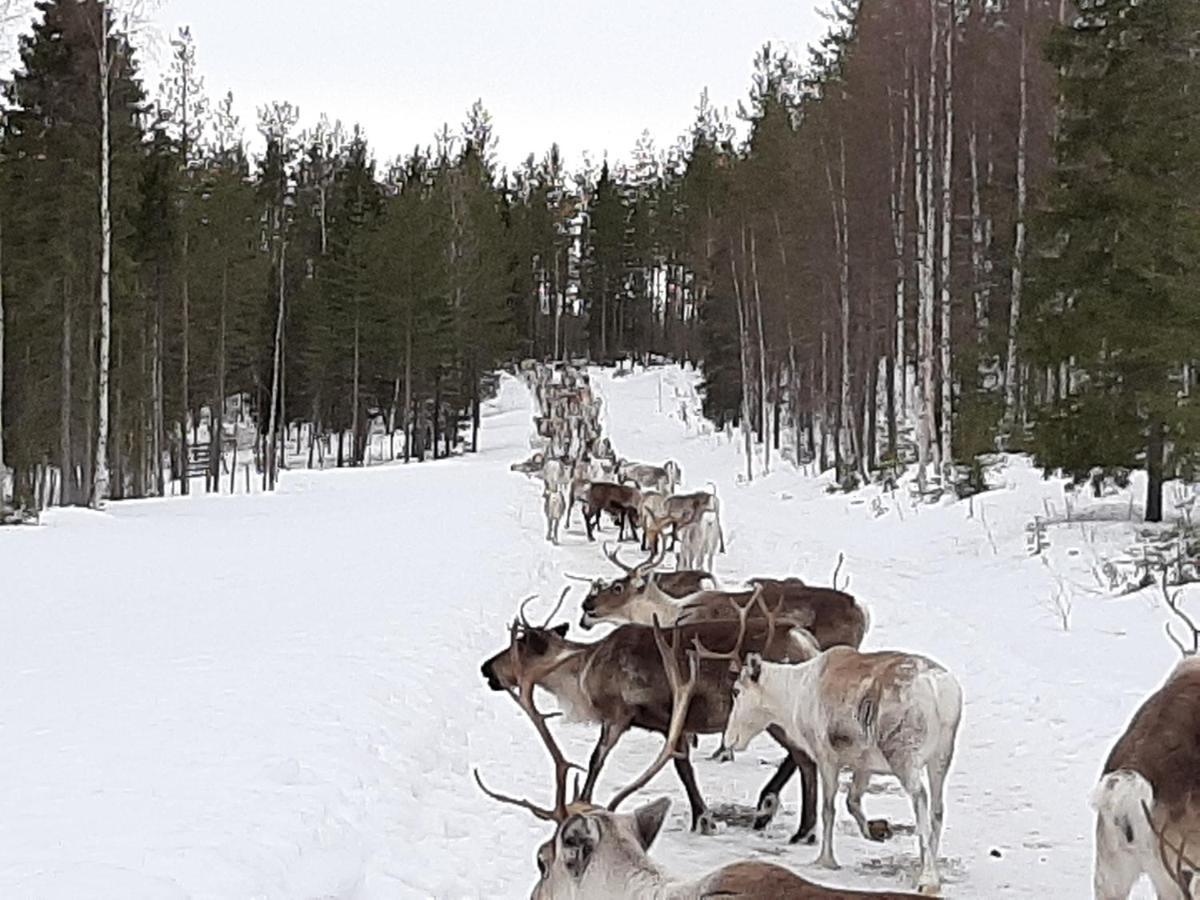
x: 555, y: 505
x: 890, y: 713
x: 1148, y: 800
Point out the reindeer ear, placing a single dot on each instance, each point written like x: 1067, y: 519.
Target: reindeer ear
x: 753, y: 667
x: 649, y: 820
x: 561, y: 630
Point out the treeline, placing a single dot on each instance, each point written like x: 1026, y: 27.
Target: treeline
x: 957, y: 227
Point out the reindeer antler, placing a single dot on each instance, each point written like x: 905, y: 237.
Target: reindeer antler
x: 1182, y: 878
x: 651, y: 562
x: 523, y: 695
x: 743, y: 614
x: 616, y: 560
x: 1172, y: 600
x: 681, y: 693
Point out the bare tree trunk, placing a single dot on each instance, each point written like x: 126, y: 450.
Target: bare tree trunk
x: 899, y: 398
x: 982, y: 289
x: 762, y: 354
x: 66, y: 491
x: 269, y: 469
x: 6, y: 485
x: 1011, y: 374
x: 837, y: 200
x: 100, y: 482
x: 217, y: 417
x: 743, y: 343
x: 923, y: 171
x: 409, y: 417
x: 947, y: 453
x: 358, y: 454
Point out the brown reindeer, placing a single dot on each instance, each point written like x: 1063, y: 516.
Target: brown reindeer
x: 676, y: 584
x: 1148, y: 800
x: 599, y: 854
x: 618, y: 500
x: 831, y: 616
x: 618, y: 682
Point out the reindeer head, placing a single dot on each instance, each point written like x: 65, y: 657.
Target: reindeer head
x: 614, y: 601
x: 531, y: 648
x: 748, y: 717
x: 593, y: 853
x: 538, y: 647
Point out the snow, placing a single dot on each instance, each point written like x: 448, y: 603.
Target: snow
x: 279, y: 695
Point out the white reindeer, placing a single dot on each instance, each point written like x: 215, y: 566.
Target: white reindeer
x: 555, y: 506
x: 889, y: 713
x: 699, y: 542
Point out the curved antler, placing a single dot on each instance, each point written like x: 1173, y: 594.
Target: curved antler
x: 615, y: 559
x: 743, y: 614
x: 523, y: 695
x: 1181, y: 876
x: 651, y: 562
x: 557, y: 606
x: 681, y: 693
x: 1172, y: 600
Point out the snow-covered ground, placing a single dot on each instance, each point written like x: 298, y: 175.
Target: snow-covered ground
x: 279, y: 696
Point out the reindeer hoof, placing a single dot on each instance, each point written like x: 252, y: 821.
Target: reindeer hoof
x: 929, y: 889
x: 801, y: 837
x: 879, y: 830
x: 707, y: 823
x: 767, y: 807
x: 723, y: 755
x: 828, y: 863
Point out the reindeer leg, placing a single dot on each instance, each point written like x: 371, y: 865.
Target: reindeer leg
x: 609, y: 735
x: 871, y: 829
x: 768, y: 798
x: 702, y: 820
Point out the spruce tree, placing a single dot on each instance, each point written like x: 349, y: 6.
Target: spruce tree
x: 1115, y: 293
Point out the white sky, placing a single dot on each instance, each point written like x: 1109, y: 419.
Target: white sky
x: 591, y: 76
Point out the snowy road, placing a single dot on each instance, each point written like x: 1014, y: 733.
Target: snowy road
x: 278, y: 696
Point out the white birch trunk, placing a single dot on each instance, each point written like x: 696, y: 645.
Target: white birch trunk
x: 982, y: 290
x: 762, y: 358
x: 100, y: 482
x: 837, y: 200
x: 743, y: 343
x: 923, y: 175
x: 899, y: 215
x: 1011, y: 373
x: 269, y: 473
x: 947, y: 228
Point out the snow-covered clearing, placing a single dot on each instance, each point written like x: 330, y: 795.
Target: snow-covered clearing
x: 279, y: 696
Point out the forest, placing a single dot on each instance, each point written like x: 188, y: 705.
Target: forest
x: 958, y: 227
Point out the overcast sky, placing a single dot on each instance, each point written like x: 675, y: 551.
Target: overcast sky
x: 591, y: 76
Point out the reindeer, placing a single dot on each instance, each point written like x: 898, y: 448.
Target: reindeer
x: 675, y: 511
x: 892, y: 713
x: 679, y: 583
x: 1148, y: 800
x: 643, y: 476
x: 619, y: 500
x: 699, y: 542
x: 832, y: 617
x: 597, y: 853
x: 555, y: 504
x: 618, y: 683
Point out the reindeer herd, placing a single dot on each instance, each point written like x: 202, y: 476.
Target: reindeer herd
x: 685, y: 658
